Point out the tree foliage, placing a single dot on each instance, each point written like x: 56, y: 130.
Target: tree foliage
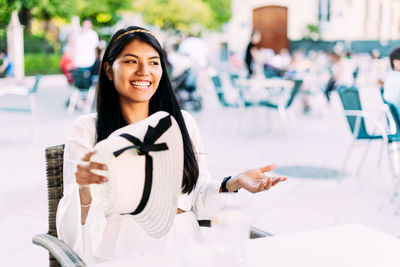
x: 190, y: 16
x: 103, y: 12
x: 6, y: 7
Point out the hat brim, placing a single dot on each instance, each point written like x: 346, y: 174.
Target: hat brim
x: 127, y: 175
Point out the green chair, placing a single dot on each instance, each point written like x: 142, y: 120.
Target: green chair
x: 61, y: 254
x: 219, y: 90
x: 24, y: 91
x: 394, y: 144
x: 283, y: 106
x: 83, y: 88
x: 356, y: 119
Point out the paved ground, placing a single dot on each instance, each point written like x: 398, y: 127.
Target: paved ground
x: 235, y: 140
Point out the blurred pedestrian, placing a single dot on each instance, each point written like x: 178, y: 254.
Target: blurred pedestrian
x: 85, y: 43
x: 392, y: 82
x: 342, y: 71
x: 66, y: 64
x: 251, y: 50
x: 6, y: 66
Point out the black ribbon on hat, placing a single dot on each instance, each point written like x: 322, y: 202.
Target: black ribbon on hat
x: 143, y: 148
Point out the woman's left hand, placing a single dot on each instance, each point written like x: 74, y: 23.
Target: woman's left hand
x: 254, y: 180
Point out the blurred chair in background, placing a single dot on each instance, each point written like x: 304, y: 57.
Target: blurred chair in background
x: 83, y: 90
x: 386, y: 128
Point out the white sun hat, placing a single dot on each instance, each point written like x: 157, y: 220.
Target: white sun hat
x: 145, y: 171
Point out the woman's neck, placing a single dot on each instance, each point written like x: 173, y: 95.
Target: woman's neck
x: 136, y: 112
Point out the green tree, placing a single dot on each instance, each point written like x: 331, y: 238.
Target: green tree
x: 6, y: 7
x: 103, y: 12
x: 221, y: 12
x: 185, y: 16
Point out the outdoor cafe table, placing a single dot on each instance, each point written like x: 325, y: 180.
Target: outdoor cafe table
x: 271, y: 83
x: 351, y: 245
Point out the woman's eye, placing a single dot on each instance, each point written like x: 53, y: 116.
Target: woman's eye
x: 131, y: 61
x: 155, y: 63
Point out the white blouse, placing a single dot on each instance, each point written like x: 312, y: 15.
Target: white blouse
x: 104, y: 238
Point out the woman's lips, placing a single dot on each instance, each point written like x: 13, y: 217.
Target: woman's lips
x: 140, y: 84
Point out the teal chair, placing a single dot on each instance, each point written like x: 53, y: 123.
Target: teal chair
x: 217, y: 83
x: 84, y: 88
x: 23, y: 91
x: 283, y: 106
x: 394, y: 144
x: 386, y: 130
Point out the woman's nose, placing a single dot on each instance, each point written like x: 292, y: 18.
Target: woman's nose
x: 142, y: 69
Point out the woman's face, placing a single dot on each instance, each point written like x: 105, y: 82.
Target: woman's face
x: 136, y: 73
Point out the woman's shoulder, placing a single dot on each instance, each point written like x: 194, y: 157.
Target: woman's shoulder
x: 84, y: 125
x: 85, y: 120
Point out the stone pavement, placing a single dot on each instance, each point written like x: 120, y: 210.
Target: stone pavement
x: 235, y: 140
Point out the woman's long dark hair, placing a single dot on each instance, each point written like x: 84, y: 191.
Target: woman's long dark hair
x: 109, y: 112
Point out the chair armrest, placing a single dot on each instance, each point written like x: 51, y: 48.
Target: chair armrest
x: 254, y: 231
x: 257, y: 233
x: 368, y: 115
x: 59, y: 250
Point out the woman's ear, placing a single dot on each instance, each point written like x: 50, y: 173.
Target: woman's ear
x: 108, y: 71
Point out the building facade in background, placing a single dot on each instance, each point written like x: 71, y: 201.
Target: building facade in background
x: 281, y: 21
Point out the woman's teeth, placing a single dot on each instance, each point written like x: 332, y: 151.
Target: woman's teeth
x: 140, y: 84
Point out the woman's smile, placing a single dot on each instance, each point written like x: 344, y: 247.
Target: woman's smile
x: 136, y: 73
x: 140, y: 84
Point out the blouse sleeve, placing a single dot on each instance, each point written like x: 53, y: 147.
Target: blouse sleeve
x: 207, y: 189
x: 81, y: 238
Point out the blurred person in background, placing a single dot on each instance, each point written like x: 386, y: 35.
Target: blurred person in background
x: 251, y: 51
x: 392, y: 82
x: 66, y: 64
x: 282, y: 60
x: 84, y: 45
x: 342, y: 73
x: 6, y: 66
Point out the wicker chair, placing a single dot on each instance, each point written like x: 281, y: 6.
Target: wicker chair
x: 59, y: 253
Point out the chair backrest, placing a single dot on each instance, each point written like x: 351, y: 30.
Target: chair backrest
x: 54, y: 172
x: 350, y: 99
x: 394, y: 111
x: 217, y: 82
x: 294, y: 92
x: 82, y: 79
x: 34, y: 88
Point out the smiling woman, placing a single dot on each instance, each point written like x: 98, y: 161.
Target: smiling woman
x: 136, y: 74
x: 133, y: 88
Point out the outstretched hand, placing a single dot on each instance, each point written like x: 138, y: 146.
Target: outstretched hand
x: 254, y: 180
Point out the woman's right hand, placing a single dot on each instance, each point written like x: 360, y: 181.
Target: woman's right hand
x: 85, y: 176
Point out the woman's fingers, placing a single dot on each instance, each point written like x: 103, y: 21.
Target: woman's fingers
x: 88, y: 155
x: 85, y: 177
x: 268, y: 183
x: 268, y: 168
x: 278, y: 179
x: 97, y: 166
x: 261, y: 187
x: 84, y: 174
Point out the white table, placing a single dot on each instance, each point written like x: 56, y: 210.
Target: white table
x: 265, y: 83
x: 340, y: 246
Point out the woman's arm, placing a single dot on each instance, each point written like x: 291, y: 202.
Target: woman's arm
x: 84, y: 178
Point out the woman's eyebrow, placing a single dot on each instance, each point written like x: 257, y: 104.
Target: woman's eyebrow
x: 135, y: 56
